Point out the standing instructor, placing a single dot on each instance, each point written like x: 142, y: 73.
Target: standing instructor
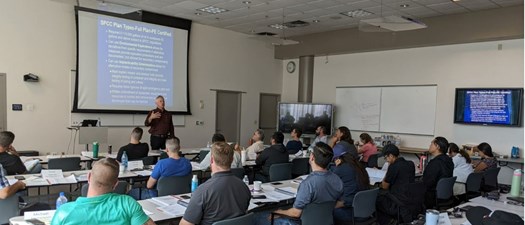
x: 161, y: 125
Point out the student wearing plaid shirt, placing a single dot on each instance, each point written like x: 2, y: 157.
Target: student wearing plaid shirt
x: 7, y: 190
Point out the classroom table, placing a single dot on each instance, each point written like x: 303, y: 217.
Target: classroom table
x: 501, y: 204
x: 151, y: 207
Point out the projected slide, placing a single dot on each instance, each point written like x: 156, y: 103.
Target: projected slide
x: 124, y: 64
x: 485, y: 106
x: 134, y: 63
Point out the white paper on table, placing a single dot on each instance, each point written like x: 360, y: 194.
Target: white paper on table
x: 443, y: 219
x: 143, y: 173
x: 375, y: 173
x: 147, y: 212
x: 44, y: 215
x: 174, y: 210
x: 287, y: 191
x: 165, y: 200
x: 52, y: 174
x: 36, y: 181
x: 374, y: 180
x: 299, y: 179
x: 195, y: 166
x: 276, y: 195
x: 63, y: 180
x: 12, y: 181
x: 135, y: 164
x: 82, y: 177
x: 252, y: 205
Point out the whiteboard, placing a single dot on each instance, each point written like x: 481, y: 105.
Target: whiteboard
x: 410, y: 109
x: 392, y: 109
x: 358, y: 108
x: 109, y: 119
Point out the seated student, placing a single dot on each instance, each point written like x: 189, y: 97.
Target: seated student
x: 274, y: 154
x: 295, y: 145
x: 101, y: 206
x: 206, y: 162
x: 355, y: 179
x: 487, y: 158
x: 441, y: 166
x: 223, y: 196
x: 400, y: 173
x: 462, y: 167
x: 366, y: 147
x: 320, y: 135
x: 319, y: 187
x: 343, y: 139
x: 9, y: 157
x: 173, y: 166
x: 256, y: 145
x: 134, y: 150
x: 7, y: 190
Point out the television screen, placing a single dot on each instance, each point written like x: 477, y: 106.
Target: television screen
x: 489, y: 106
x: 306, y: 116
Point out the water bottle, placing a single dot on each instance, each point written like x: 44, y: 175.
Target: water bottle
x: 61, y: 200
x: 95, y: 149
x: 208, y: 145
x: 125, y: 160
x: 516, y: 183
x: 194, y: 183
x: 246, y: 180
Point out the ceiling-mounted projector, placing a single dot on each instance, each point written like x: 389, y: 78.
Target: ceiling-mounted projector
x: 394, y: 23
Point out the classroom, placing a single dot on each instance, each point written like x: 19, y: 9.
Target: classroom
x: 235, y: 68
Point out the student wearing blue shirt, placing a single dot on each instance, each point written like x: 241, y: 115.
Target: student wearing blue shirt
x: 319, y: 187
x: 355, y: 179
x: 172, y: 166
x: 295, y: 145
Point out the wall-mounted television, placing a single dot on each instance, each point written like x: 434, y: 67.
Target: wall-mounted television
x: 489, y: 106
x: 307, y: 116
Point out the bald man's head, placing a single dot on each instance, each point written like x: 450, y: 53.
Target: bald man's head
x: 104, y: 175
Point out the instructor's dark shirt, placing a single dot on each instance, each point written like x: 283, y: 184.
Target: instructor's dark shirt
x: 162, y: 125
x: 12, y: 164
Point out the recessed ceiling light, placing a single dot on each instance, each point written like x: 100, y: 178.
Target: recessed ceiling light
x: 316, y: 21
x: 404, y: 5
x: 357, y: 13
x: 455, y: 0
x: 246, y: 2
x: 212, y: 10
x: 278, y: 26
x: 198, y: 14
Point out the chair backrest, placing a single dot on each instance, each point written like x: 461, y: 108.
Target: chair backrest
x: 65, y: 164
x: 490, y: 177
x: 241, y: 220
x: 372, y: 161
x: 149, y: 160
x: 174, y: 185
x: 9, y: 208
x: 364, y: 204
x: 164, y: 155
x: 202, y: 154
x: 238, y: 172
x: 121, y: 188
x: 280, y: 171
x: 300, y: 166
x: 473, y: 183
x: 318, y: 213
x: 445, y: 188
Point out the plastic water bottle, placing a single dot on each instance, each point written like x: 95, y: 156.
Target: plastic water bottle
x: 516, y: 183
x: 208, y: 145
x: 125, y: 160
x: 194, y: 183
x: 246, y: 180
x: 61, y: 200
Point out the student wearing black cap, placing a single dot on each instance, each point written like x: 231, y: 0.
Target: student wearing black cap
x: 400, y: 173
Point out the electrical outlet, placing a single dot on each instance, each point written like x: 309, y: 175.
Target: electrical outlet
x: 199, y: 123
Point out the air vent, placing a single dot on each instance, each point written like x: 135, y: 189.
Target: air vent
x: 266, y: 34
x: 297, y: 23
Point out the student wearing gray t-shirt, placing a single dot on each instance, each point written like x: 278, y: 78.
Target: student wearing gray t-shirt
x: 223, y: 196
x: 319, y: 187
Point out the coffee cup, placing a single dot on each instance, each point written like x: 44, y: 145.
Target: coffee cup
x: 257, y: 185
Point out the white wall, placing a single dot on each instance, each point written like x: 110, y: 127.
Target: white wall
x: 463, y: 65
x: 39, y: 37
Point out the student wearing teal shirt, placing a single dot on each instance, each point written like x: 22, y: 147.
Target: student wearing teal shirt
x: 101, y: 206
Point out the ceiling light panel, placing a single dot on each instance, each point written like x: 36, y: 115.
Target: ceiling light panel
x: 212, y: 10
x: 357, y: 13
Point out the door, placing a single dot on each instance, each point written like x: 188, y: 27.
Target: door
x: 268, y: 115
x: 3, y: 102
x: 228, y: 115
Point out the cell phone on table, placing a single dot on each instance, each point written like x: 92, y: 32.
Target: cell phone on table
x: 35, y: 222
x: 185, y: 197
x: 20, y: 177
x: 259, y: 197
x: 277, y: 183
